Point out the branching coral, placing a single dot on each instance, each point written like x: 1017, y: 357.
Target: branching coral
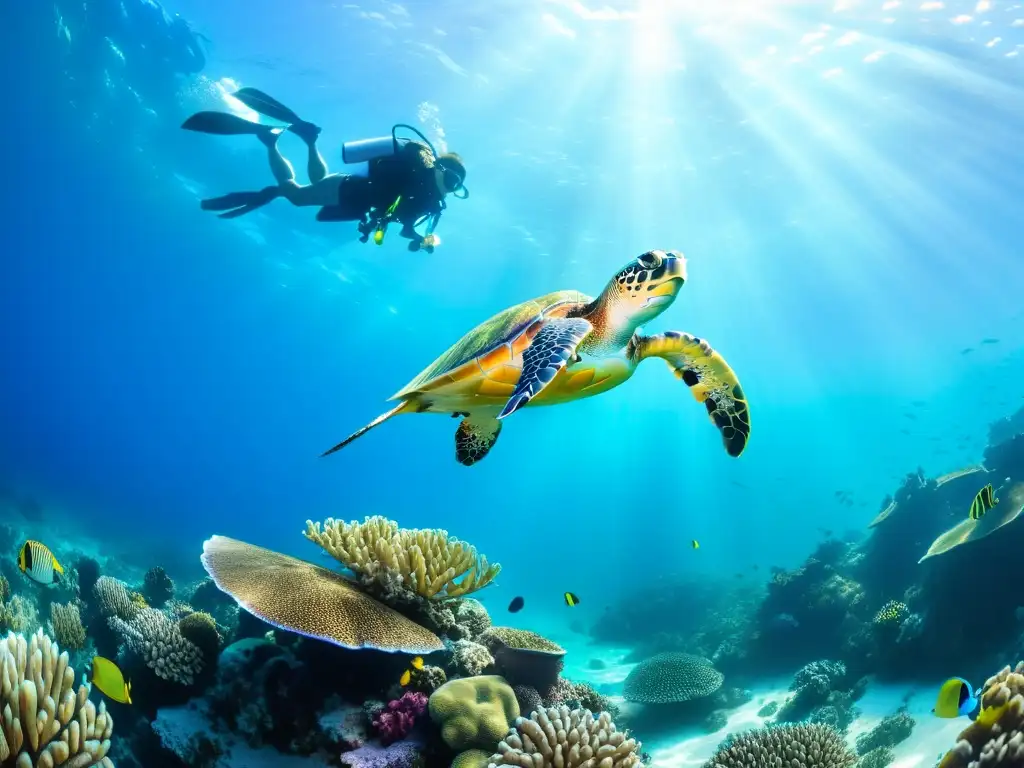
x: 156, y: 639
x: 66, y: 623
x: 794, y: 746
x: 997, y: 739
x: 561, y: 737
x: 114, y: 599
x: 671, y: 677
x: 426, y: 562
x: 45, y: 722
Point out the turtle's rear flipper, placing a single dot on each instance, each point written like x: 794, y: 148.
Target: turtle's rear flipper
x: 400, y: 408
x: 475, y: 436
x: 551, y: 348
x: 710, y: 379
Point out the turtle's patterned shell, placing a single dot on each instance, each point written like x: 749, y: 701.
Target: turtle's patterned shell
x: 491, y: 333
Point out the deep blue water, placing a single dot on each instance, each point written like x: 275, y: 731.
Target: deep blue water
x: 850, y: 215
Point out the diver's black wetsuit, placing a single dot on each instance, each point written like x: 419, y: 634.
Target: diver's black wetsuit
x: 406, y: 174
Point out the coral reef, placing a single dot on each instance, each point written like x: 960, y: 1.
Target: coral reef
x: 564, y: 738
x: 893, y: 612
x: 474, y: 711
x: 313, y: 601
x: 45, y: 721
x: 471, y: 617
x: 114, y: 599
x: 472, y: 758
x: 524, y: 657
x: 18, y: 615
x: 66, y: 625
x: 88, y: 571
x: 716, y: 721
x: 998, y: 740
x: 157, y: 587
x: 578, y: 696
x: 387, y: 559
x: 880, y: 757
x: 811, y: 685
x: 156, y: 639
x: 888, y: 733
x: 396, y: 720
x: 795, y: 746
x: 672, y: 677
x: 402, y: 754
x: 769, y: 709
x: 528, y: 698
x: 470, y: 658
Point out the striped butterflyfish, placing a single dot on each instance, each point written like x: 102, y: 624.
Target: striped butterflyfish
x: 983, y: 502
x: 37, y: 562
x: 571, y: 600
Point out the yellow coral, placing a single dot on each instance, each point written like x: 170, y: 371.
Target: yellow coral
x: 472, y: 758
x: 892, y: 612
x: 139, y: 601
x: 67, y: 625
x: 45, y: 722
x: 474, y: 711
x: 428, y: 562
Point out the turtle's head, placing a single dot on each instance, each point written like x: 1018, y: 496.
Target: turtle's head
x: 647, y: 286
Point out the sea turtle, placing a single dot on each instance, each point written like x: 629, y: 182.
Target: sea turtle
x: 565, y: 346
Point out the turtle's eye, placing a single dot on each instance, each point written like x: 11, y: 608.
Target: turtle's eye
x: 650, y: 260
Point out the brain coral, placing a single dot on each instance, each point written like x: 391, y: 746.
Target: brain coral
x: 1000, y: 742
x: 474, y: 711
x: 313, y: 601
x: 671, y: 677
x: 793, y: 746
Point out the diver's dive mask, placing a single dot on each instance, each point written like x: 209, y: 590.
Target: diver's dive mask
x: 453, y: 181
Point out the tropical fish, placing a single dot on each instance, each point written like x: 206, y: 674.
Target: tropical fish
x: 971, y: 530
x: 984, y: 500
x: 38, y: 563
x: 416, y: 665
x: 695, y: 544
x: 516, y: 605
x: 108, y: 678
x: 956, y: 698
x: 571, y: 600
x: 956, y: 475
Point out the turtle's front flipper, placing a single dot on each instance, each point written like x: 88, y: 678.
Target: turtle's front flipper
x: 709, y: 378
x: 549, y: 352
x: 475, y: 436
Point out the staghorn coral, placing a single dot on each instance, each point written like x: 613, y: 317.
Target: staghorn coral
x: 562, y: 737
x: 793, y: 746
x: 474, y: 711
x: 45, y: 722
x: 154, y: 638
x: 66, y: 625
x: 114, y: 599
x: 157, y: 587
x: 892, y: 612
x: 998, y: 740
x: 425, y: 562
x: 301, y: 597
x: 671, y: 677
x: 470, y: 658
x: 888, y: 733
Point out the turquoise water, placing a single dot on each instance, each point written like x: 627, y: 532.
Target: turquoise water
x: 844, y: 179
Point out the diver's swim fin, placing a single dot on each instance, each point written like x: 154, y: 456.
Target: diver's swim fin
x: 237, y: 204
x: 266, y: 105
x: 270, y: 107
x: 224, y: 124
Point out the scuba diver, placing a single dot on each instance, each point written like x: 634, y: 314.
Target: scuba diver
x: 400, y: 180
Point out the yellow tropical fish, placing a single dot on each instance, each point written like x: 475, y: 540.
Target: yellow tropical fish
x: 405, y: 679
x: 956, y: 699
x: 571, y: 600
x: 695, y: 544
x: 108, y: 678
x: 415, y: 665
x: 38, y: 563
x: 983, y: 502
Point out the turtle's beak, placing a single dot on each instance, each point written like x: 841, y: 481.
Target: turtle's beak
x: 668, y: 288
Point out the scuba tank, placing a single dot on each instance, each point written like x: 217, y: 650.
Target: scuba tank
x: 365, y: 150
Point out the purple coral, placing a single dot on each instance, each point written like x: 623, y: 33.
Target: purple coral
x: 395, y: 721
